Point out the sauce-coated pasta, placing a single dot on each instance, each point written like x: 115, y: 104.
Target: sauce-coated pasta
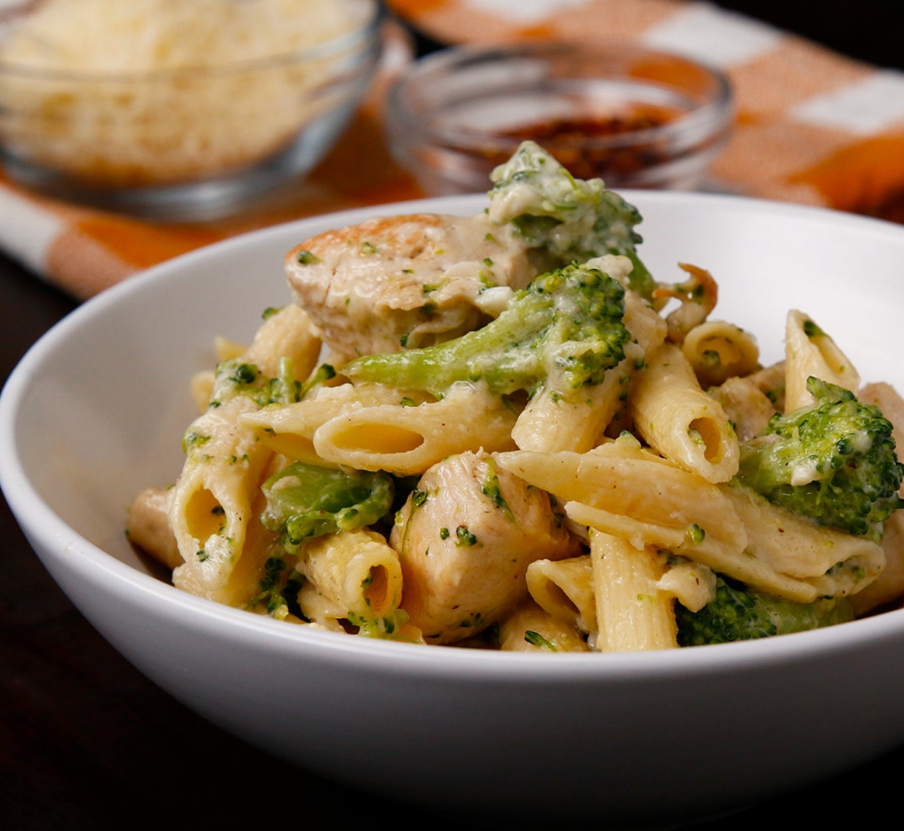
x: 593, y: 465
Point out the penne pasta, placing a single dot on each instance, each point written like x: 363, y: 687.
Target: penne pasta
x: 286, y: 334
x: 747, y: 407
x: 228, y: 349
x: 371, y: 427
x: 678, y: 419
x: 811, y: 352
x: 731, y: 561
x: 290, y: 429
x: 407, y: 440
x: 888, y: 588
x: 148, y: 526
x: 553, y: 420
x: 564, y: 589
x: 211, y: 504
x: 550, y: 449
x: 717, y: 350
x: 626, y: 491
x: 691, y: 584
x: 633, y: 613
x: 801, y: 549
x: 202, y: 385
x: 530, y: 628
x: 353, y: 577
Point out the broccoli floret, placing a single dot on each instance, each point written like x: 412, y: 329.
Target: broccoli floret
x: 740, y: 613
x: 279, y: 587
x: 833, y: 461
x: 568, y: 219
x: 562, y: 332
x: 305, y: 501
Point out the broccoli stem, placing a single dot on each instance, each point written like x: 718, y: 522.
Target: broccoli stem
x: 305, y: 501
x: 564, y: 331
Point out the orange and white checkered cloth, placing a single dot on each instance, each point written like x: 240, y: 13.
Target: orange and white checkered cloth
x: 813, y: 127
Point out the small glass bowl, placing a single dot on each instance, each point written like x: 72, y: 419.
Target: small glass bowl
x: 635, y: 117
x: 185, y: 142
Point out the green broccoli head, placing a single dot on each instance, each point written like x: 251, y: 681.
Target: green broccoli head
x: 569, y: 219
x: 740, y: 613
x: 305, y: 501
x: 563, y: 332
x: 833, y: 461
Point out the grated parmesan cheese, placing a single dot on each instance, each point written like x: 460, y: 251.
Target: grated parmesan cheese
x: 225, y: 90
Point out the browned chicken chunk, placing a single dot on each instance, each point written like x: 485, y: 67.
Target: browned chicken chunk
x: 465, y: 537
x: 406, y: 281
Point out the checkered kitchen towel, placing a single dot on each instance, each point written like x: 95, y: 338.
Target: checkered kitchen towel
x: 813, y: 127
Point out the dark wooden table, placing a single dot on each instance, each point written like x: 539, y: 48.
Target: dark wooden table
x: 87, y: 742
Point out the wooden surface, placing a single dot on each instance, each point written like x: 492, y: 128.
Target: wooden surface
x: 87, y: 742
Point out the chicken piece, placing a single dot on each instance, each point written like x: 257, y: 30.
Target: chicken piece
x: 466, y: 536
x: 406, y: 281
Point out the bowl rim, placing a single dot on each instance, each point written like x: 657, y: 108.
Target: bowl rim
x: 363, y: 36
x: 64, y: 546
x: 711, y: 118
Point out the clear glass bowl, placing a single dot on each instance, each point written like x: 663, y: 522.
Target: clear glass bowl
x: 195, y: 138
x: 633, y: 116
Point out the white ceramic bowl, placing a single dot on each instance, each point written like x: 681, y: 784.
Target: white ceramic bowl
x: 96, y: 410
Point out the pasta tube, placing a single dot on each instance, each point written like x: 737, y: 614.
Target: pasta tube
x: 676, y: 417
x: 810, y: 351
x: 289, y: 429
x: 530, y: 628
x: 351, y: 576
x: 634, y: 614
x: 407, y: 440
x: 888, y: 588
x: 212, y: 499
x: 564, y: 589
x: 626, y: 491
x: 717, y: 350
x: 650, y: 500
x: 800, y: 548
x: 748, y: 408
x: 148, y: 526
x: 286, y: 334
x: 554, y: 421
x: 211, y: 506
x: 691, y: 584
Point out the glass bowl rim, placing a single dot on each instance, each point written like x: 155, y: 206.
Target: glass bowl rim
x: 710, y: 118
